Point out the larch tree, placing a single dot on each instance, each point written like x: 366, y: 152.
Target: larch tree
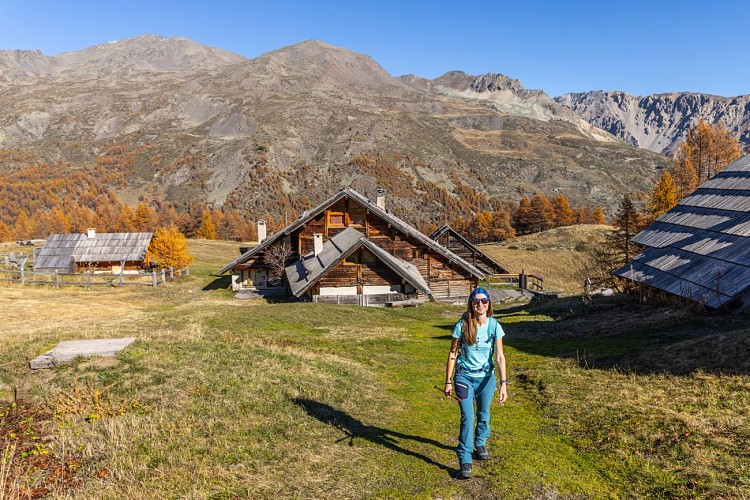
x: 564, y: 215
x: 521, y: 216
x: 501, y: 227
x: 168, y: 248
x: 542, y: 214
x: 662, y: 197
x: 706, y: 150
x: 5, y: 232
x: 145, y: 217
x: 126, y: 223
x: 22, y: 226
x: 207, y: 229
x: 599, y: 216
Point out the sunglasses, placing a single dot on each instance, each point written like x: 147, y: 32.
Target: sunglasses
x: 480, y: 301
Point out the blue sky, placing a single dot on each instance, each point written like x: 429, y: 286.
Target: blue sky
x: 640, y: 47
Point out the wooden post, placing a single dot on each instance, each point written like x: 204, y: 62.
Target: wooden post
x: 171, y: 272
x: 88, y: 279
x: 187, y: 271
x: 57, y: 280
x: 23, y: 277
x: 122, y: 270
x: 153, y: 278
x: 163, y: 275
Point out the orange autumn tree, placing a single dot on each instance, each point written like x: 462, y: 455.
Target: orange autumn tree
x: 564, y: 215
x: 168, y: 248
x: 663, y: 197
x: 707, y: 150
x: 207, y: 229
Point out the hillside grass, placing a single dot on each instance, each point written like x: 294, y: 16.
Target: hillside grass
x: 560, y: 255
x: 224, y: 398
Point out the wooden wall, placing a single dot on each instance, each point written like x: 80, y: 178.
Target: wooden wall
x: 444, y: 279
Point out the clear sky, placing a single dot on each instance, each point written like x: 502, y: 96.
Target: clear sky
x: 640, y: 47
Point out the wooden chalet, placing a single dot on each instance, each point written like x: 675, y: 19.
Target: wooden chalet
x: 350, y: 250
x: 700, y: 249
x: 98, y: 252
x: 462, y: 247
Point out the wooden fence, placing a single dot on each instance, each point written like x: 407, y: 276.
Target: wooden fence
x: 533, y: 282
x: 87, y: 279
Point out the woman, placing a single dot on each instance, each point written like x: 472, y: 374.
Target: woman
x: 476, y: 335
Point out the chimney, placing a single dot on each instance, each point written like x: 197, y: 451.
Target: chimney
x: 90, y: 233
x: 380, y: 199
x: 317, y: 243
x: 261, y: 225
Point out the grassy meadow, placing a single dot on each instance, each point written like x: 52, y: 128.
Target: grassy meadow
x: 223, y: 398
x: 560, y: 255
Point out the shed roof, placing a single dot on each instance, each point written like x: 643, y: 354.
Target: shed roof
x: 102, y: 247
x: 305, y: 272
x: 700, y: 250
x: 399, y: 224
x: 446, y: 228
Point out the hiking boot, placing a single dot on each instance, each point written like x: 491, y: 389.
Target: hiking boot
x: 465, y: 472
x: 482, y: 453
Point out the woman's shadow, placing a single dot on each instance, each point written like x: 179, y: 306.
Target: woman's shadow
x: 354, y: 428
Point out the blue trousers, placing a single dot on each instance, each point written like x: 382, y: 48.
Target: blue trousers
x: 482, y: 390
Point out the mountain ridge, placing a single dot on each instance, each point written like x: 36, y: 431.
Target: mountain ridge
x: 659, y: 122
x: 304, y: 121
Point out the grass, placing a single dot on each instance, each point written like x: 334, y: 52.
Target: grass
x: 224, y: 398
x: 560, y: 255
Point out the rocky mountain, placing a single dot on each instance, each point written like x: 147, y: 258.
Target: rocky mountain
x: 299, y: 123
x: 659, y: 122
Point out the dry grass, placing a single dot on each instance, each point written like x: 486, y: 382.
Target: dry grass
x: 560, y: 255
x: 223, y: 398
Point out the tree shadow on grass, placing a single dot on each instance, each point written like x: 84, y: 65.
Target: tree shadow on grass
x: 618, y: 333
x: 354, y: 428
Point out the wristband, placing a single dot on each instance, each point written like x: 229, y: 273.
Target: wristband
x: 451, y: 383
x: 503, y: 382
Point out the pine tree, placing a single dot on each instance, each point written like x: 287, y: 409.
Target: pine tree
x: 168, y: 248
x: 663, y: 197
x: 207, y: 229
x: 628, y: 221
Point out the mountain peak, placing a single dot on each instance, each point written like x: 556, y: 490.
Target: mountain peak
x: 323, y: 62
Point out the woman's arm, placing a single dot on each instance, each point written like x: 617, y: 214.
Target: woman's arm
x: 500, y: 362
x: 452, y: 355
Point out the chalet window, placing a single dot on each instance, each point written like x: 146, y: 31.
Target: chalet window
x: 360, y: 257
x: 367, y: 257
x: 335, y: 218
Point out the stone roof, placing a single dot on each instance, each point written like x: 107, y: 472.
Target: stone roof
x: 62, y: 249
x: 700, y: 249
x: 305, y: 272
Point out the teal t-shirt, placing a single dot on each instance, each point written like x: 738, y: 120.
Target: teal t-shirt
x: 474, y: 358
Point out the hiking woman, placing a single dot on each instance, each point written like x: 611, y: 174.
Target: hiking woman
x: 476, y: 336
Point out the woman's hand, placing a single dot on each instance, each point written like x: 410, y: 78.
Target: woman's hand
x: 448, y: 390
x: 503, y: 394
